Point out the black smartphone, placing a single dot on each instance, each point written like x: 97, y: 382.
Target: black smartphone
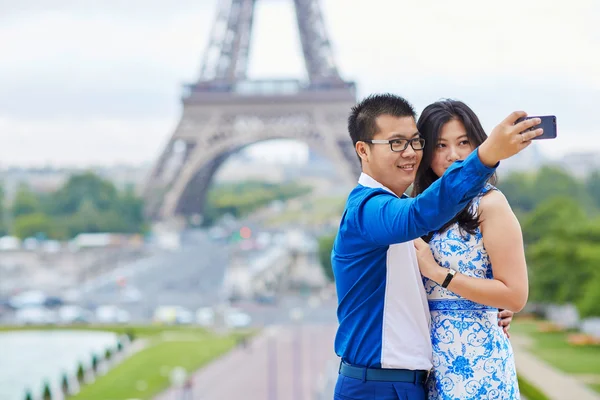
x: 548, y: 125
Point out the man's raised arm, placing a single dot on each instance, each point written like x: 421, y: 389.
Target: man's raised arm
x: 386, y: 219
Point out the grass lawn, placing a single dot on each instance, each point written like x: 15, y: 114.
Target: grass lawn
x: 529, y: 391
x: 554, y: 348
x: 147, y: 372
x: 313, y: 211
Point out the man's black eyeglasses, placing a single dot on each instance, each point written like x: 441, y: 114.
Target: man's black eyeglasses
x: 398, y: 145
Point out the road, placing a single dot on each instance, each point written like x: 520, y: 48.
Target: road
x: 282, y: 363
x: 190, y: 277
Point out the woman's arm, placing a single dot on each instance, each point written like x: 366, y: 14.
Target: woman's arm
x: 503, y: 241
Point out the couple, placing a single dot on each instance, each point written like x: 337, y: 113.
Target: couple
x: 420, y: 320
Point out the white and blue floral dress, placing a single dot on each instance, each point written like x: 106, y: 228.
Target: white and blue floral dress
x: 472, y: 357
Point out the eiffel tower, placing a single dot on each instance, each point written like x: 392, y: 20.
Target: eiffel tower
x: 224, y: 111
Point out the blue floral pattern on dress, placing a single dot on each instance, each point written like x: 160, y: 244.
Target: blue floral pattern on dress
x: 472, y: 357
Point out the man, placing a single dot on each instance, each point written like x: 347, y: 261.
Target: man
x: 383, y: 337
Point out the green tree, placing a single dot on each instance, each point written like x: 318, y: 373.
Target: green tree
x: 86, y: 219
x: 553, y: 254
x: 241, y: 199
x: 131, y: 211
x: 588, y: 235
x: 94, y: 363
x: 3, y: 222
x: 518, y: 189
x: 47, y: 393
x: 526, y: 191
x: 325, y: 248
x: 88, y: 203
x: 564, y: 266
x: 29, y: 225
x: 593, y: 187
x: 556, y: 217
x: 81, y: 188
x: 554, y: 182
x: 589, y: 302
x: 25, y: 202
x: 557, y: 270
x: 64, y: 385
x: 80, y: 373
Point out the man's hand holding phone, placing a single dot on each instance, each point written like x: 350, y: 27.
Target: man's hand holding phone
x: 509, y: 138
x: 547, y: 123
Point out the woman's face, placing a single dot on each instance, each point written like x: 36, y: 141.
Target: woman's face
x: 453, y: 144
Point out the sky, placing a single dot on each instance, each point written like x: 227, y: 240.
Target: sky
x: 98, y: 81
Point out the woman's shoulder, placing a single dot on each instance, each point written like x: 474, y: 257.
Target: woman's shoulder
x: 492, y: 199
x: 478, y: 202
x: 489, y: 188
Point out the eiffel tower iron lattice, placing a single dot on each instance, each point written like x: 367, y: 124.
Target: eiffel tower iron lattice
x: 224, y: 111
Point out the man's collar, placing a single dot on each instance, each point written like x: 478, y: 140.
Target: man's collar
x: 366, y: 181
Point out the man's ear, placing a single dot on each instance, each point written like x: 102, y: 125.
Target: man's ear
x: 363, y: 151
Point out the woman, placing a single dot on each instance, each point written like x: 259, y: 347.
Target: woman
x: 473, y: 358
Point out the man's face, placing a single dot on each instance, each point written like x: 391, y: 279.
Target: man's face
x: 395, y: 170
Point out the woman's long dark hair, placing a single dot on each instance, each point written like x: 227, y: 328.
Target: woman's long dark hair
x: 430, y: 124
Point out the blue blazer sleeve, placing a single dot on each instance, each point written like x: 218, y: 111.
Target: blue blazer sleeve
x: 387, y: 219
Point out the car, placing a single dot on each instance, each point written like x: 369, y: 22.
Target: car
x: 109, y: 314
x: 29, y: 298
x: 235, y: 318
x: 35, y: 316
x: 205, y: 316
x: 172, y: 315
x: 74, y: 315
x: 130, y: 294
x: 53, y: 301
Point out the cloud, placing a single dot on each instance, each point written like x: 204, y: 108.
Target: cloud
x: 81, y: 143
x: 466, y: 38
x: 93, y: 66
x: 87, y: 70
x: 136, y: 9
